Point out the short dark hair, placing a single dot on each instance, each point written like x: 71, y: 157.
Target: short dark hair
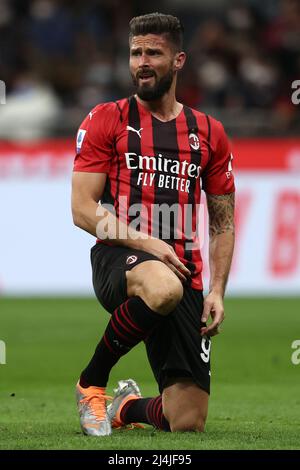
x: 158, y: 23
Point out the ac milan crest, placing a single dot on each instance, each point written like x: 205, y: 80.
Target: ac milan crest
x: 131, y: 259
x: 194, y: 141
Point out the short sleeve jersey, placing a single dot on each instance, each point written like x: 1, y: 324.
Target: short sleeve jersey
x: 156, y: 170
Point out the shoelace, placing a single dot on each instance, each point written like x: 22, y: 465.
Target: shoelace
x: 94, y: 401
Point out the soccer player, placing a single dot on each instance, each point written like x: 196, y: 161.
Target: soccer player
x: 136, y: 186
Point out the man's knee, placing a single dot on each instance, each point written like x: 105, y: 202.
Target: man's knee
x: 193, y: 423
x: 185, y: 405
x: 159, y: 287
x: 165, y: 297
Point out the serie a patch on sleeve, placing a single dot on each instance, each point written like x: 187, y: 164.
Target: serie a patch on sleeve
x: 80, y: 138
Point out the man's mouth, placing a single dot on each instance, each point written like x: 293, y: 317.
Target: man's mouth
x: 145, y: 77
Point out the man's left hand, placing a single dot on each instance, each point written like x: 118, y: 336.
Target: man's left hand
x: 214, y: 307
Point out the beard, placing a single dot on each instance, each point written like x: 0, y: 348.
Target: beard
x: 154, y: 92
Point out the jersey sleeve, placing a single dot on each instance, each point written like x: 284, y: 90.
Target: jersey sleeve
x: 94, y: 141
x: 218, y: 177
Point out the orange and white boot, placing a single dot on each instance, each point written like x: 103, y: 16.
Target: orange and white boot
x: 126, y: 390
x: 91, y: 402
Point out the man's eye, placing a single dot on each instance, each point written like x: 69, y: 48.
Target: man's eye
x: 135, y: 53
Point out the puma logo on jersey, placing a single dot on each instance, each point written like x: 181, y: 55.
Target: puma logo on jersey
x: 129, y: 128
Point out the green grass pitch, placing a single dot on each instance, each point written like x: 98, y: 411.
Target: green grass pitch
x: 255, y: 399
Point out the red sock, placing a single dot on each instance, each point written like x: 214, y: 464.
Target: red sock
x: 145, y: 410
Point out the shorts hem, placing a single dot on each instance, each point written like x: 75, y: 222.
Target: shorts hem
x: 174, y: 373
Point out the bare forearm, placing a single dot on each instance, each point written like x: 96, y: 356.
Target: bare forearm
x: 98, y: 221
x: 221, y: 232
x: 220, y: 256
x: 87, y: 190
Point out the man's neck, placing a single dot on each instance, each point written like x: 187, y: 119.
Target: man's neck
x: 165, y: 109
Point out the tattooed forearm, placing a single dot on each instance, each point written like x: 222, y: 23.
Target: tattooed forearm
x: 221, y: 213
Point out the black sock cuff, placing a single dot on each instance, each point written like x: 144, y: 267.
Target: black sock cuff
x: 141, y: 314
x: 141, y: 311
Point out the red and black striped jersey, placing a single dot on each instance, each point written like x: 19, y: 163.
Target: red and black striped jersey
x: 155, y: 170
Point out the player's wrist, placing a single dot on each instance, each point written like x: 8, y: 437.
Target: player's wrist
x: 217, y: 290
x: 136, y: 243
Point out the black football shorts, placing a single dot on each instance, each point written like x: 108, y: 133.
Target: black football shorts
x: 175, y: 347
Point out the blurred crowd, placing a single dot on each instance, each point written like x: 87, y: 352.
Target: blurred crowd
x: 59, y: 58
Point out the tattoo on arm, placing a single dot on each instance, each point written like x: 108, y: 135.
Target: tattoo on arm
x: 221, y: 213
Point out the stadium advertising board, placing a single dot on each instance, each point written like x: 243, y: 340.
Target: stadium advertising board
x: 42, y: 252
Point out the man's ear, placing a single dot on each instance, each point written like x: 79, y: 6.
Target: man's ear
x: 179, y: 60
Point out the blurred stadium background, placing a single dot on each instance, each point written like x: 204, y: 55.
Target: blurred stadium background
x: 58, y: 59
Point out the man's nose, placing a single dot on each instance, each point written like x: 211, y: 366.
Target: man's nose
x: 144, y: 60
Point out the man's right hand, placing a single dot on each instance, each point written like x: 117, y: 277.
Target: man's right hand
x: 167, y: 255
